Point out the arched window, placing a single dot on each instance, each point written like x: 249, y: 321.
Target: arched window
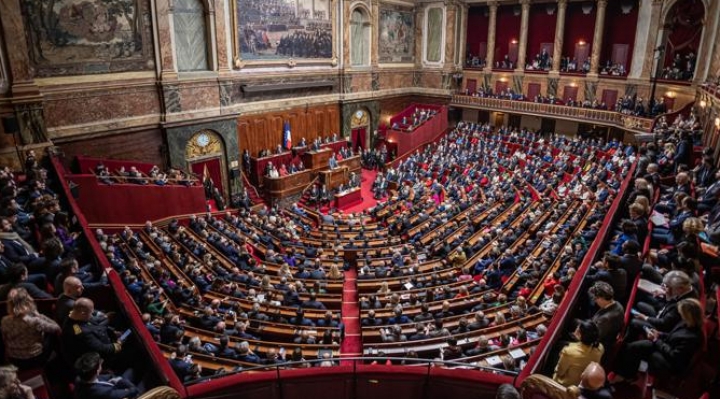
x: 359, y: 38
x: 191, y: 44
x: 684, y: 24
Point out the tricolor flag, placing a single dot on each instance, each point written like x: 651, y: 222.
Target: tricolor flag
x: 287, y: 140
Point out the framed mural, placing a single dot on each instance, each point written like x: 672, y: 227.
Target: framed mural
x: 283, y: 32
x: 74, y: 37
x: 396, y: 40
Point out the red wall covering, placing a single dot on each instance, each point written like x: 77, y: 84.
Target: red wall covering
x: 578, y: 26
x: 477, y: 31
x: 541, y: 29
x: 619, y: 29
x: 508, y: 28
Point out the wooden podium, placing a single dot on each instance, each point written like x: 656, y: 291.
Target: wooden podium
x: 317, y: 159
x: 334, y: 177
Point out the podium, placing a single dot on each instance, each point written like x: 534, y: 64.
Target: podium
x: 334, y: 177
x: 317, y: 159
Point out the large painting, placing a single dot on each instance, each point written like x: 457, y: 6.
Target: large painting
x: 280, y: 29
x: 396, y: 42
x: 72, y: 37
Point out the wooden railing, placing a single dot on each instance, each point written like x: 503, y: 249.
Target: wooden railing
x: 628, y: 122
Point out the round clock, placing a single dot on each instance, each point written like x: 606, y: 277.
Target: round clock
x: 359, y: 114
x: 203, y: 140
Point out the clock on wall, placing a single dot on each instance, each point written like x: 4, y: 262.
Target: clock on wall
x: 359, y: 114
x: 202, y: 140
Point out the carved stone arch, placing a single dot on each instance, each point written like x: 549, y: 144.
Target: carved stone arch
x: 349, y: 111
x: 671, y: 3
x: 203, y: 144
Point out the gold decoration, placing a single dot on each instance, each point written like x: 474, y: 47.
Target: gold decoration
x: 547, y: 387
x: 359, y: 119
x: 160, y: 393
x: 202, y: 144
x: 291, y: 63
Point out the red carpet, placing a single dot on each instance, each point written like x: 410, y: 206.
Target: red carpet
x: 352, y: 344
x: 367, y: 179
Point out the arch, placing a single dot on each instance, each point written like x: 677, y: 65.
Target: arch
x: 684, y: 23
x: 205, y: 157
x: 672, y: 3
x: 191, y: 27
x: 360, y: 36
x: 360, y: 128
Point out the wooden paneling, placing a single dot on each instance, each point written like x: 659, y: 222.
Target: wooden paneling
x: 143, y: 146
x: 265, y: 131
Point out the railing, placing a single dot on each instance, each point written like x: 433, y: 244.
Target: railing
x: 353, y: 380
x: 628, y: 122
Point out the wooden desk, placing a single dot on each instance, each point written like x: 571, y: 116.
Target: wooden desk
x: 284, y: 186
x: 334, y: 177
x: 317, y: 159
x: 349, y: 197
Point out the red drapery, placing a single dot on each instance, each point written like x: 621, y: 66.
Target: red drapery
x: 578, y: 27
x: 533, y: 90
x: 619, y: 30
x: 471, y: 85
x: 500, y: 86
x: 358, y: 137
x: 507, y: 31
x: 213, y: 166
x: 477, y: 31
x: 542, y: 30
x: 570, y: 92
x: 609, y: 97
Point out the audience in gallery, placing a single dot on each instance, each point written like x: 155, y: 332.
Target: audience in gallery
x: 134, y: 176
x: 280, y: 149
x: 240, y: 255
x: 40, y: 255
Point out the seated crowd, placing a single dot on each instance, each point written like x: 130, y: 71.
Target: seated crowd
x: 132, y: 175
x: 42, y: 267
x: 647, y: 295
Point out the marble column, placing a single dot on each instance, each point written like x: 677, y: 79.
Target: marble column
x: 451, y: 21
x: 652, y: 39
x: 490, y: 52
x: 641, y: 36
x: 559, y: 35
x: 221, y: 37
x: 374, y: 40
x: 462, y: 47
x: 163, y: 21
x: 18, y: 62
x: 597, y: 38
x: 524, y: 25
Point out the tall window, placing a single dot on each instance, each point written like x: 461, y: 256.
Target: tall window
x: 191, y: 44
x: 359, y: 38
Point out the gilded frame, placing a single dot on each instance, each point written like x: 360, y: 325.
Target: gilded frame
x: 240, y: 63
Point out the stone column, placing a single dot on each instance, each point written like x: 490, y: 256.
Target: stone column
x: 490, y: 56
x: 221, y: 36
x: 559, y: 35
x: 19, y: 55
x: 524, y: 25
x: 652, y: 39
x: 597, y: 38
x: 375, y: 35
x: 462, y: 47
x: 163, y: 21
x: 451, y: 21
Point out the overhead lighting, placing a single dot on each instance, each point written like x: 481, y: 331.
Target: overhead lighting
x: 626, y: 6
x: 550, y: 9
x: 514, y: 41
x: 581, y: 42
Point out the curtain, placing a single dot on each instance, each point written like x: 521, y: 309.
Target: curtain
x: 358, y: 137
x: 213, y: 166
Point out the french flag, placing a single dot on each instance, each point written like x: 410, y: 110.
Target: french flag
x: 287, y: 139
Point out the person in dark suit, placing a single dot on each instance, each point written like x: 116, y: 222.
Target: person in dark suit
x: 17, y: 249
x: 671, y: 352
x: 181, y: 363
x: 610, y: 316
x: 81, y: 335
x: 92, y: 384
x: 677, y: 286
x: 18, y: 277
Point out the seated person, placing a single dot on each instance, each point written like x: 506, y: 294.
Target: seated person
x: 91, y: 384
x: 670, y: 352
x: 575, y: 356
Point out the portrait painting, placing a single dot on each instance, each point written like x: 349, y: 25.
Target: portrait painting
x: 68, y: 37
x: 269, y: 30
x: 396, y: 42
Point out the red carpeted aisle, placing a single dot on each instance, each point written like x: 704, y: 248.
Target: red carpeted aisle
x: 352, y: 344
x: 368, y: 177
